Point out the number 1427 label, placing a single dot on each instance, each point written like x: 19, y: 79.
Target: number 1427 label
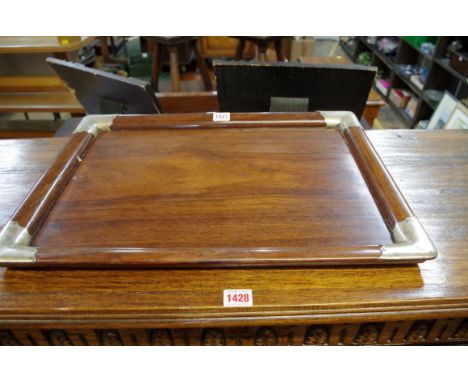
x: 238, y: 297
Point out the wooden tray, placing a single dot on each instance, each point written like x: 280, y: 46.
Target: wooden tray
x: 264, y: 189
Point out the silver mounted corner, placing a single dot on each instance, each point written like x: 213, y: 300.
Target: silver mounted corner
x: 95, y: 124
x: 14, y: 244
x: 340, y: 119
x: 14, y: 234
x: 17, y: 254
x: 411, y: 242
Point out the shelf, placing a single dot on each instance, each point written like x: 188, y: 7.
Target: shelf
x: 369, y: 46
x: 380, y: 93
x: 347, y: 49
x: 440, y: 73
x: 408, y: 83
x: 386, y: 60
x: 448, y: 68
x: 425, y: 55
x: 430, y: 103
x: 403, y: 115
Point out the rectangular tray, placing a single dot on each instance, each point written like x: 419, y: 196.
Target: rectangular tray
x: 259, y: 189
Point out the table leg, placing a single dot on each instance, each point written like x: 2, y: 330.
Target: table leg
x: 262, y: 48
x: 202, y: 65
x: 279, y: 50
x: 156, y: 65
x: 239, y: 50
x: 174, y: 64
x: 106, y: 54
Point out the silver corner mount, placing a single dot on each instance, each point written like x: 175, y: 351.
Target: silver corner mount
x: 340, y: 119
x: 95, y: 124
x: 14, y: 244
x: 411, y: 242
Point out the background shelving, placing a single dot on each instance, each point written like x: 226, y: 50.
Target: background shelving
x: 441, y: 76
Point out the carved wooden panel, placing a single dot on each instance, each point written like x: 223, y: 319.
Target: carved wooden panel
x: 452, y: 330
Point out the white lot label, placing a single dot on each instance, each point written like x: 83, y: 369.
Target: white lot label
x: 221, y: 117
x: 238, y: 297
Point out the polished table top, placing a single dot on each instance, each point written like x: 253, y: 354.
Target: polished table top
x: 430, y: 167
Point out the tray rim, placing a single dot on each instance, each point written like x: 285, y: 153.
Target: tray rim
x: 411, y: 243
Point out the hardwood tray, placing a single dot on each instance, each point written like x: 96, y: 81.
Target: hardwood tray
x: 258, y: 189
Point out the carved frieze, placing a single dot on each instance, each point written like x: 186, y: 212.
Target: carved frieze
x: 161, y: 338
x: 213, y: 337
x: 316, y: 335
x: 266, y: 337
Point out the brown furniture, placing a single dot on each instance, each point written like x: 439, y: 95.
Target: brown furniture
x: 173, y: 102
x: 43, y: 44
x: 108, y: 56
x: 52, y: 101
x: 170, y: 43
x: 39, y: 102
x: 189, y: 102
x: 36, y: 94
x: 96, y: 197
x: 262, y: 43
x: 27, y: 84
x: 374, y: 102
x: 422, y: 304
x: 28, y: 129
x: 224, y: 47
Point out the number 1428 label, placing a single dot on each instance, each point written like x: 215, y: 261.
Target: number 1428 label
x: 238, y: 297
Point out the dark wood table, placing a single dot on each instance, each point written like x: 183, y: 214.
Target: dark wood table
x: 426, y: 303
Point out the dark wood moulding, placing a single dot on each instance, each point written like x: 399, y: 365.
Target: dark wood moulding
x: 33, y: 211
x: 205, y: 257
x: 237, y: 120
x: 41, y: 199
x: 387, y: 196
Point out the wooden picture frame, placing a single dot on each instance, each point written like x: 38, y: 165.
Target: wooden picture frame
x: 409, y: 242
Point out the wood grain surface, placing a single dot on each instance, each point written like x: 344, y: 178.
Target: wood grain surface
x: 40, y: 44
x: 31, y: 213
x: 39, y: 102
x: 373, y: 304
x: 220, y: 188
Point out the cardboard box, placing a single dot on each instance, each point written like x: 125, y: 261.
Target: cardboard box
x: 411, y: 107
x: 399, y: 97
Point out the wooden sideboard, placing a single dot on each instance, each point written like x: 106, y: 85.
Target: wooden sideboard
x: 416, y: 304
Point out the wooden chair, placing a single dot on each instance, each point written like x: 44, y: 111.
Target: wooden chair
x: 262, y: 43
x: 171, y: 43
